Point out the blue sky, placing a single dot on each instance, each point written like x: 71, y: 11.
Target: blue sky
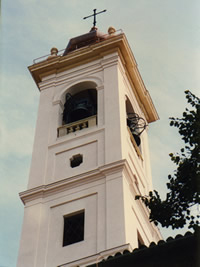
x: 165, y: 39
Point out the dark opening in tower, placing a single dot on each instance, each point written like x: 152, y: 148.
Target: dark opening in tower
x: 80, y: 106
x: 135, y: 123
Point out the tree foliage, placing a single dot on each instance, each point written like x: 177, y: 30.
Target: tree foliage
x: 184, y: 185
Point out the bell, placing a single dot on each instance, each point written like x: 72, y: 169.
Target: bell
x: 80, y: 112
x: 78, y: 107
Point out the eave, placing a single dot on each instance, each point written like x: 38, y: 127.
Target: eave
x: 89, y: 53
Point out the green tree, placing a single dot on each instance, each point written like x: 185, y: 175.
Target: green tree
x: 184, y: 185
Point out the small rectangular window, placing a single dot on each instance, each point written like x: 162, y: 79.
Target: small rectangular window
x: 73, y: 228
x: 76, y: 160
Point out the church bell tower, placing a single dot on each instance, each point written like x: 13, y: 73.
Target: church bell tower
x: 90, y: 156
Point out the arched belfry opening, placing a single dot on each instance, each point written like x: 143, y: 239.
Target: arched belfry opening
x: 80, y: 106
x: 135, y: 123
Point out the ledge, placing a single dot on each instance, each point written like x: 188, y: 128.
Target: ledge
x: 92, y: 52
x: 62, y: 185
x: 77, y: 126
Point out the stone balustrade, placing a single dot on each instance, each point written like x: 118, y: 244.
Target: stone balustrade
x: 77, y: 126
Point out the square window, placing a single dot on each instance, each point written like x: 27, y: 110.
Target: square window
x: 76, y: 160
x: 73, y: 228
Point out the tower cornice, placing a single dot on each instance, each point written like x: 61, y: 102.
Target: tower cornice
x: 115, y: 43
x: 59, y: 186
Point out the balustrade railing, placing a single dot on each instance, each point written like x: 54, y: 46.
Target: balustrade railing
x: 77, y: 126
x: 60, y: 52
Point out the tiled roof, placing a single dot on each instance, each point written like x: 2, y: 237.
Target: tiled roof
x: 89, y: 38
x: 180, y: 251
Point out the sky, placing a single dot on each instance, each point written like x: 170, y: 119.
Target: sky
x: 165, y: 39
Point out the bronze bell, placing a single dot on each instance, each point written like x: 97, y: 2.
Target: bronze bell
x: 136, y: 125
x: 79, y: 106
x: 81, y: 111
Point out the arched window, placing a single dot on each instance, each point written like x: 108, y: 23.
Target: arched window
x: 135, y: 123
x: 80, y: 106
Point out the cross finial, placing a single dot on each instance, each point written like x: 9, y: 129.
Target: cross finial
x: 94, y: 22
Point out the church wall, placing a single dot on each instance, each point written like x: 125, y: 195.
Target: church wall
x: 108, y: 142
x: 40, y: 147
x: 136, y: 216
x: 29, y: 236
x: 104, y: 185
x: 129, y: 217
x: 88, y: 143
x: 103, y: 203
x: 147, y: 162
x: 113, y: 149
x: 82, y: 249
x: 141, y: 166
x: 115, y: 231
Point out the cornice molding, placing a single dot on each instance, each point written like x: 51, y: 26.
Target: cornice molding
x: 44, y: 191
x: 117, y: 44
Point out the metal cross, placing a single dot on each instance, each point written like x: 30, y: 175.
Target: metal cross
x: 94, y: 23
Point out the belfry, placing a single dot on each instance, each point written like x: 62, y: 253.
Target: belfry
x: 90, y: 156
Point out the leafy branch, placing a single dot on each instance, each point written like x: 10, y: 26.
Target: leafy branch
x: 184, y: 185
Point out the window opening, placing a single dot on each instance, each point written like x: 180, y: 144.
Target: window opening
x: 80, y: 106
x: 76, y: 160
x: 73, y: 228
x: 136, y: 125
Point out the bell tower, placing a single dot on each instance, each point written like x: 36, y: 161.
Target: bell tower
x: 90, y: 156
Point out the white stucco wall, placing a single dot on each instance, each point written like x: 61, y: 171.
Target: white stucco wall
x: 104, y: 185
